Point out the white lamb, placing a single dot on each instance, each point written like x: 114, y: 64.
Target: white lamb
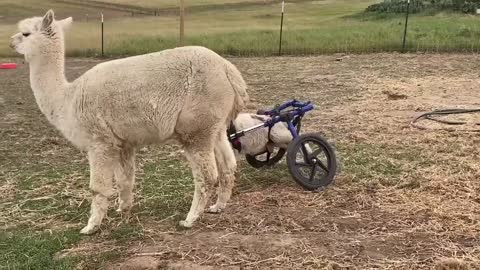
x: 188, y: 94
x: 259, y: 141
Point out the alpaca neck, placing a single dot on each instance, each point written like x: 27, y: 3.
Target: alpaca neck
x: 49, y: 85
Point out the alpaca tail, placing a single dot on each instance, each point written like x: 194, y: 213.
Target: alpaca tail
x: 240, y: 88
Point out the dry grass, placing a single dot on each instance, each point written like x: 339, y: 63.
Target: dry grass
x: 405, y: 198
x: 249, y: 27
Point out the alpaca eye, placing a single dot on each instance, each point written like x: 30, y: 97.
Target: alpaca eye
x: 26, y: 34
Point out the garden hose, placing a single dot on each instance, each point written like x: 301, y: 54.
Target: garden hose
x: 432, y: 116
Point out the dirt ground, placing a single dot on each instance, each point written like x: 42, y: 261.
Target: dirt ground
x: 405, y: 198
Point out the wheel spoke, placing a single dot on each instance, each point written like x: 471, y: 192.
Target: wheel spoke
x: 301, y: 164
x: 320, y: 163
x: 305, y: 153
x: 312, y: 172
x: 316, y: 152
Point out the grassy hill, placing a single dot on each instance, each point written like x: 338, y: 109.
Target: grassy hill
x: 248, y: 27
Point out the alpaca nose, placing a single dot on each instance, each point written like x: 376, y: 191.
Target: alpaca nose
x: 11, y: 45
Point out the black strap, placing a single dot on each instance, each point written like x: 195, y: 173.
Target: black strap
x: 235, y: 142
x: 269, y: 141
x: 231, y: 130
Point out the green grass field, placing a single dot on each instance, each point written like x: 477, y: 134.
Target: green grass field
x: 174, y: 3
x: 310, y: 27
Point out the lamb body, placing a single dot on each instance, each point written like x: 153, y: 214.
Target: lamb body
x: 259, y: 140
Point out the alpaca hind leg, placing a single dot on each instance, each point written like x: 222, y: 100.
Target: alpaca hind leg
x: 205, y: 173
x: 125, y: 178
x: 101, y: 184
x: 226, y: 164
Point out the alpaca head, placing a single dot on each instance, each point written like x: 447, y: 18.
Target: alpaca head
x: 39, y: 35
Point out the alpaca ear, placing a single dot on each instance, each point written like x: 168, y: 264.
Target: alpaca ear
x: 65, y: 23
x: 48, y: 19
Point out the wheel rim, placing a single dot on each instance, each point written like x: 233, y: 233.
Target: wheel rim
x: 266, y: 158
x: 313, y: 162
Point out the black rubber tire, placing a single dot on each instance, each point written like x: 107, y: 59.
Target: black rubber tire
x: 254, y: 162
x: 293, y: 166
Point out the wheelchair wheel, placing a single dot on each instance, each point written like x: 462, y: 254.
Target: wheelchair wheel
x: 266, y: 158
x: 311, y: 161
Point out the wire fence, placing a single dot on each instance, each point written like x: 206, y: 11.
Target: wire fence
x: 270, y: 28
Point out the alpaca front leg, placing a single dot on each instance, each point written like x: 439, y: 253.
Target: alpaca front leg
x: 226, y: 164
x: 101, y: 185
x: 97, y: 213
x: 205, y: 173
x: 125, y: 178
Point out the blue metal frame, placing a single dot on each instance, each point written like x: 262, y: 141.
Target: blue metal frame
x: 277, y: 114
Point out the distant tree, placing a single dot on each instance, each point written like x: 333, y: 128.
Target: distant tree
x: 396, y: 6
x: 400, y: 6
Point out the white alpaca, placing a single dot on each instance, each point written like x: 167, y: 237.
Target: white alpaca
x: 187, y: 94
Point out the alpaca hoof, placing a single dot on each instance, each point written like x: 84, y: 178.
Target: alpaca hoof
x: 185, y: 224
x: 87, y: 230
x: 125, y: 215
x: 214, y: 209
x: 124, y: 207
x: 123, y: 212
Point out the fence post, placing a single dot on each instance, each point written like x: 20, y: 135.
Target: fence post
x: 281, y: 30
x: 182, y: 22
x: 102, y: 33
x: 406, y: 24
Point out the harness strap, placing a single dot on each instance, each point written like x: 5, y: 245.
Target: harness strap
x: 269, y: 132
x: 235, y: 141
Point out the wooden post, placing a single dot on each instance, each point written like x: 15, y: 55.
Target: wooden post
x: 102, y: 33
x: 406, y: 24
x: 281, y: 28
x: 182, y: 22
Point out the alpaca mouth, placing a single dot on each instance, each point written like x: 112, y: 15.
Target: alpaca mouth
x: 12, y: 45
